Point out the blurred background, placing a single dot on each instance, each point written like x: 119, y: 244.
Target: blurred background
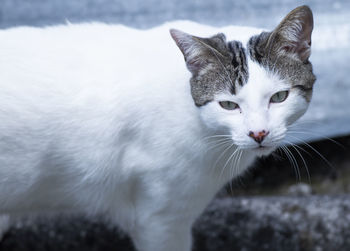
x: 319, y: 165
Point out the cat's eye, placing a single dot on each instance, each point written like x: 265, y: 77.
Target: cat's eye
x: 228, y: 105
x: 279, y: 97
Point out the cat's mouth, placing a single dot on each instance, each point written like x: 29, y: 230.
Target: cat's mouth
x: 263, y: 150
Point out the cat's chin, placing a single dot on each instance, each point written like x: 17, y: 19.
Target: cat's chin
x: 262, y: 150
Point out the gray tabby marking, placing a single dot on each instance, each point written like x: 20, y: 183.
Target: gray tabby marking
x: 239, y: 62
x: 226, y: 69
x: 216, y: 65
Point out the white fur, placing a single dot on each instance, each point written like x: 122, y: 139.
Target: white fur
x: 99, y: 119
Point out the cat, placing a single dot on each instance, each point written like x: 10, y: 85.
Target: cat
x: 108, y: 120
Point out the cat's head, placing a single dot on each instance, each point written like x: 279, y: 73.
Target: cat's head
x: 255, y: 91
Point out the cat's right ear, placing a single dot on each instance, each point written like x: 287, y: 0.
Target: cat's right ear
x: 293, y: 34
x: 197, y: 51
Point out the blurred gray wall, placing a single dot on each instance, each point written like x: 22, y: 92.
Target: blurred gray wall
x: 148, y: 13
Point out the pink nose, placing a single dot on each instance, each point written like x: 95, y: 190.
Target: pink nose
x: 258, y: 136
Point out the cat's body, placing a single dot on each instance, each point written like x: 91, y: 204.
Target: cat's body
x: 99, y: 119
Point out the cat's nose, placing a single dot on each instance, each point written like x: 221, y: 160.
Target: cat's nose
x: 258, y: 136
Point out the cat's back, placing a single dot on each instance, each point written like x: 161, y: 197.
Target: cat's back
x: 97, y: 52
x: 61, y: 62
x: 84, y: 48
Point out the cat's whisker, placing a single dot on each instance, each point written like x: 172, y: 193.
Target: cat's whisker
x: 317, y: 135
x: 221, y: 155
x: 295, y: 163
x: 302, y: 149
x: 299, y: 147
x: 218, y: 145
x: 236, y: 164
x: 297, y: 175
x: 213, y: 141
x: 317, y: 152
x: 236, y: 167
x: 216, y: 140
x: 219, y: 140
x: 224, y: 167
x: 290, y: 161
x: 218, y: 136
x: 303, y: 160
x: 233, y: 167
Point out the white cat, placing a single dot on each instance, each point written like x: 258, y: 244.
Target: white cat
x: 106, y: 120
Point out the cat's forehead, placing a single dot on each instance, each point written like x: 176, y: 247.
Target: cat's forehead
x: 261, y: 83
x: 255, y: 69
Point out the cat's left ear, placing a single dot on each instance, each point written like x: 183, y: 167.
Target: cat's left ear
x: 293, y: 34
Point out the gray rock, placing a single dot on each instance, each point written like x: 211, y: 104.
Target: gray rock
x: 275, y: 223
x: 300, y: 189
x: 319, y: 223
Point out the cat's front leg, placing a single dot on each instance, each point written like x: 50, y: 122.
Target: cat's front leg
x: 162, y: 234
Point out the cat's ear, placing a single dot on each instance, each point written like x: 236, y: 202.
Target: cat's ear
x: 198, y: 52
x: 293, y: 34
